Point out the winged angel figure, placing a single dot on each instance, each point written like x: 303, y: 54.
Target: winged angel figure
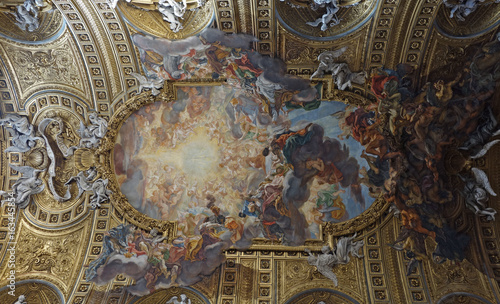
x: 184, y: 300
x: 340, y: 70
x: 171, y: 10
x: 22, y: 132
x: 149, y: 83
x: 463, y: 8
x: 25, y: 186
x: 330, y: 18
x: 340, y: 255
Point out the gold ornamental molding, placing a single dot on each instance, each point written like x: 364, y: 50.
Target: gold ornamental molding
x: 105, y: 165
x: 55, y: 256
x: 293, y: 15
x: 485, y: 18
x: 151, y: 22
x: 35, y: 292
x: 51, y: 24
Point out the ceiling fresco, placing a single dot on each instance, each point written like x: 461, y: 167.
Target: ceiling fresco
x: 249, y: 151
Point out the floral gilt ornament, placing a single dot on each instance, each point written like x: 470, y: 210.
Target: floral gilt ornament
x: 262, y: 156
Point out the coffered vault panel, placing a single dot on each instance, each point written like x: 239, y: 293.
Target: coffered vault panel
x: 82, y: 61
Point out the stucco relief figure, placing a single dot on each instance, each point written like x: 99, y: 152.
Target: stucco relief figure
x: 89, y: 181
x: 21, y: 300
x: 463, y: 8
x: 184, y: 300
x: 91, y: 134
x: 22, y: 132
x: 100, y: 193
x: 149, y: 83
x: 340, y: 255
x: 330, y: 18
x: 171, y: 11
x: 341, y: 73
x: 27, y: 185
x: 476, y: 198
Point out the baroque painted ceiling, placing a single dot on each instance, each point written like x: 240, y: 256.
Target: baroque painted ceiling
x: 249, y: 151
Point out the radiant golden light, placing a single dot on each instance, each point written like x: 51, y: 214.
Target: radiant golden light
x: 197, y: 157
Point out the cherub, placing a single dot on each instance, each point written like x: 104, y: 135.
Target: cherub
x: 27, y: 185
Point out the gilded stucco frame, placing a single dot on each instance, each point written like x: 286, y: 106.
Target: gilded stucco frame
x: 105, y: 165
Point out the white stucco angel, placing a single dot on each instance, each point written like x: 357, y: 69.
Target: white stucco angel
x: 21, y: 300
x: 149, y: 83
x: 330, y: 18
x: 89, y: 181
x: 325, y: 261
x: 476, y: 198
x: 27, y: 185
x: 463, y: 8
x: 22, y: 132
x: 27, y: 16
x: 100, y: 193
x: 184, y: 300
x: 171, y: 11
x: 341, y: 73
x: 91, y: 134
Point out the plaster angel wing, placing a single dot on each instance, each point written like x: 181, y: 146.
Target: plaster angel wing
x: 330, y: 55
x: 482, y: 179
x: 143, y: 81
x: 26, y: 171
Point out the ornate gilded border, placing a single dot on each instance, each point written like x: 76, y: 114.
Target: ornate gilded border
x: 105, y: 165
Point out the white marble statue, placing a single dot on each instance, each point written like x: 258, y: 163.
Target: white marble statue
x: 22, y: 132
x: 340, y: 255
x: 27, y: 185
x: 172, y: 11
x: 148, y: 83
x: 341, y: 73
x: 91, y: 134
x: 184, y: 300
